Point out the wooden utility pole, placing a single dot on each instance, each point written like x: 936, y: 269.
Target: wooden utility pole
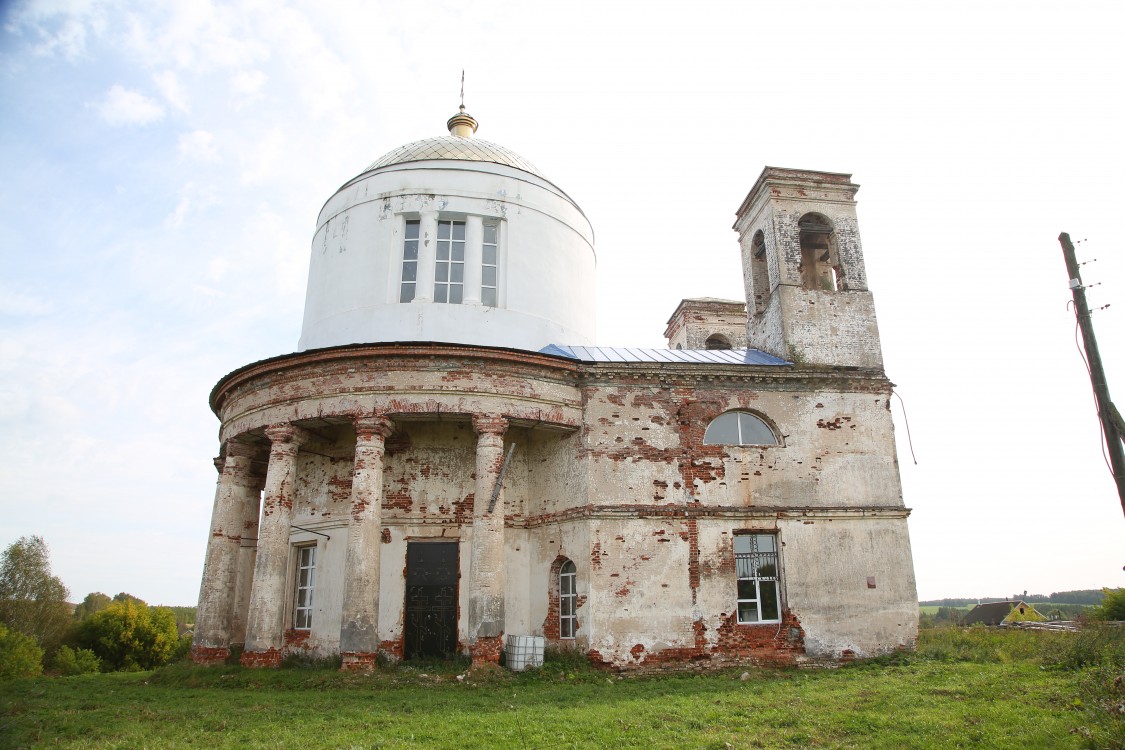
x: 1112, y: 426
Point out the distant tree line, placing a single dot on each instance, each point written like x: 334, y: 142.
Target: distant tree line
x: 39, y: 630
x: 1088, y: 597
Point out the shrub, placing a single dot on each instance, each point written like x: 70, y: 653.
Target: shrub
x: 129, y: 636
x: 1112, y: 606
x: 1095, y: 644
x: 20, y: 655
x: 69, y: 661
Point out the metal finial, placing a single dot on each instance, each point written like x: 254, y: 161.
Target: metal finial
x: 462, y: 89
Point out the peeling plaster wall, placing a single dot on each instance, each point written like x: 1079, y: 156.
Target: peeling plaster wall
x: 827, y: 565
x: 645, y: 445
x: 639, y: 589
x: 610, y: 472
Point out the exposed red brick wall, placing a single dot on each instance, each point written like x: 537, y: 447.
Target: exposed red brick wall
x: 270, y: 659
x: 206, y: 656
x: 487, y: 650
x: 396, y: 649
x: 765, y: 644
x: 357, y: 661
x: 295, y: 639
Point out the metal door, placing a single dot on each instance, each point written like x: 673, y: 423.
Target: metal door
x: 431, y: 599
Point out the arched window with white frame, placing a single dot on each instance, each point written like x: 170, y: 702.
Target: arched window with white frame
x: 568, y: 600
x: 739, y: 428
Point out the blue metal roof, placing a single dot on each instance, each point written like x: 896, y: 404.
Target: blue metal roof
x: 674, y: 356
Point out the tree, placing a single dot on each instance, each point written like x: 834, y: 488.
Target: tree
x: 32, y: 601
x: 94, y: 602
x: 1112, y: 606
x: 19, y: 655
x: 129, y: 635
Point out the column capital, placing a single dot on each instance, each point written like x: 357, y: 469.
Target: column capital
x: 241, y: 449
x: 489, y: 424
x: 286, y: 433
x: 371, y: 425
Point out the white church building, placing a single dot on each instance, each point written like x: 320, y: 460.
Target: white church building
x: 449, y: 459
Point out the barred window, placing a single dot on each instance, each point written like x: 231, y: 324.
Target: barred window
x: 306, y: 568
x: 755, y: 561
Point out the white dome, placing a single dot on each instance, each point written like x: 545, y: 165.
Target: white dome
x: 451, y: 240
x: 456, y: 148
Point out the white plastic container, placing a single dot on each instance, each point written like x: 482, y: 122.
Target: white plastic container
x: 523, y: 651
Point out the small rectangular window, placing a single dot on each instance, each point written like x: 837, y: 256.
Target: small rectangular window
x: 306, y: 570
x: 409, y: 262
x: 488, y: 284
x: 755, y: 562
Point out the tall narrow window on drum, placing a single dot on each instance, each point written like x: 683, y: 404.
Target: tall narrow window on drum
x: 449, y: 271
x: 489, y: 285
x: 409, y: 262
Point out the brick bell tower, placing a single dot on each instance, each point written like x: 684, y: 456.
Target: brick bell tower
x: 802, y: 263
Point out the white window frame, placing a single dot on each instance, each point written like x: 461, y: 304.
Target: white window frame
x: 453, y: 285
x: 408, y: 275
x: 737, y: 416
x: 303, y: 605
x: 419, y: 272
x: 568, y: 600
x: 494, y: 288
x: 757, y: 578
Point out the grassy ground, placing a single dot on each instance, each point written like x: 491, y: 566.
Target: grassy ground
x: 963, y: 689
x: 931, y: 609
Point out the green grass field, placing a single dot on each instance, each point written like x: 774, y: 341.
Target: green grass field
x: 931, y: 609
x: 963, y: 689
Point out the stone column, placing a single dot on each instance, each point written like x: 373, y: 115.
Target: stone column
x: 250, y: 512
x: 427, y: 256
x: 214, y: 619
x: 265, y: 623
x: 486, y: 567
x: 359, y: 625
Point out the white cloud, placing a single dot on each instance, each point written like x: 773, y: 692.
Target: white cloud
x: 18, y: 303
x: 198, y: 145
x: 217, y: 268
x: 171, y: 90
x: 196, y: 35
x: 260, y: 162
x: 62, y: 26
x: 193, y: 199
x: 124, y: 107
x: 247, y: 83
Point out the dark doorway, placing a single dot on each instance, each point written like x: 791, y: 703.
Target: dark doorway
x: 431, y: 599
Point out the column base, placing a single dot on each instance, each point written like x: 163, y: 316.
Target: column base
x: 270, y: 659
x: 487, y: 650
x: 206, y: 656
x: 357, y: 661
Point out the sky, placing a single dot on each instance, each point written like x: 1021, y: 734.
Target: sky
x: 164, y: 163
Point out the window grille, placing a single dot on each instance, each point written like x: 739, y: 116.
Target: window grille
x: 755, y: 561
